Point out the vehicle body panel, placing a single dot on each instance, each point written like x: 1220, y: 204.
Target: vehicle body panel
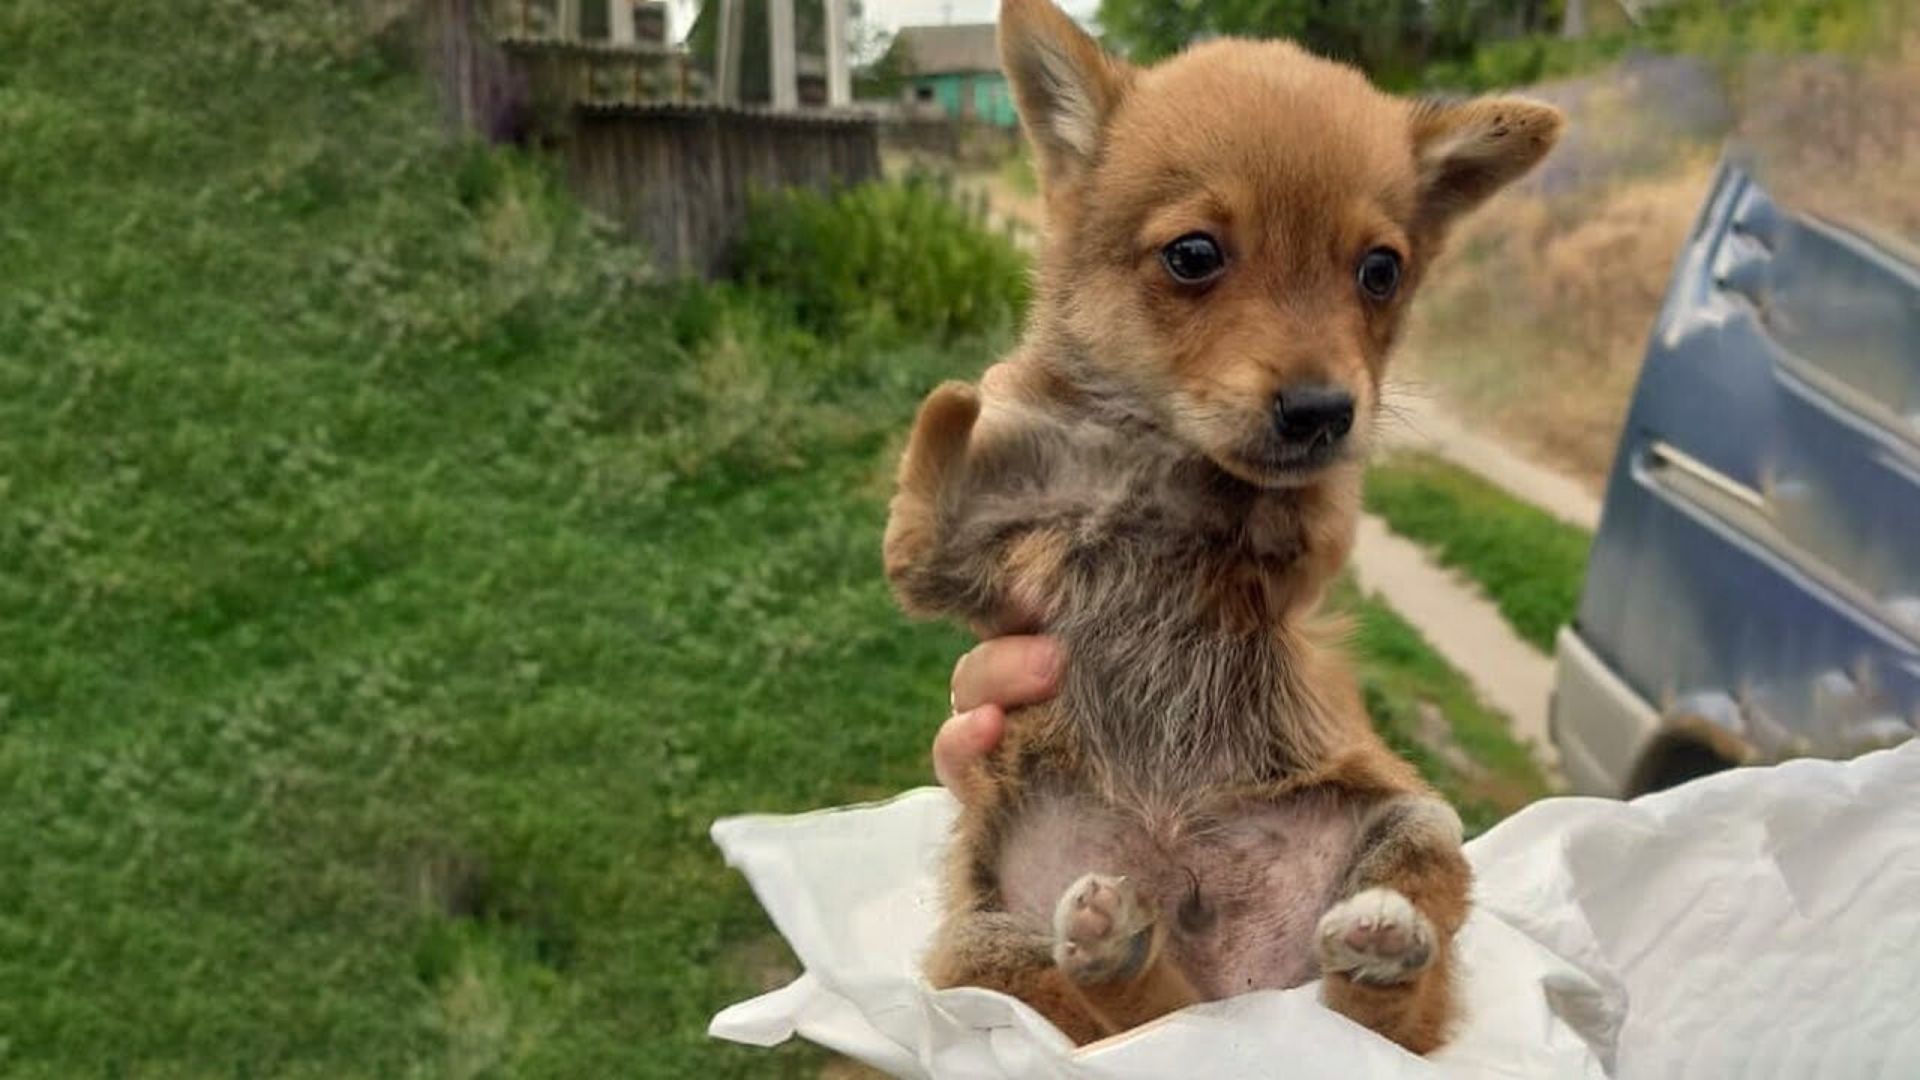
x: 1755, y: 582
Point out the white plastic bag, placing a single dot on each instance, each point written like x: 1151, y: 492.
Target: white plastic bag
x: 1764, y: 922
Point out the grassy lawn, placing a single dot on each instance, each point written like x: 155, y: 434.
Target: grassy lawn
x: 395, y: 583
x: 1429, y: 713
x: 1530, y: 563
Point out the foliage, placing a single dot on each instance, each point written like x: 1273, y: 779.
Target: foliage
x: 1529, y: 563
x: 1709, y: 28
x: 1471, y: 758
x: 886, y: 76
x: 1392, y: 40
x: 1018, y: 175
x: 395, y: 583
x: 898, y: 259
x: 1477, y: 45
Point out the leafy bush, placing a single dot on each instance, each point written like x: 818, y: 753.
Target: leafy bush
x: 1393, y: 40
x: 892, y: 260
x: 1524, y: 61
x: 1719, y: 31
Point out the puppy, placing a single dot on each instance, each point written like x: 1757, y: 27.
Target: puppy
x: 1166, y: 474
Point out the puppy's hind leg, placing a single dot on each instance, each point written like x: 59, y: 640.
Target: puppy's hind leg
x: 1110, y: 942
x: 1103, y: 969
x: 998, y: 951
x: 1386, y: 949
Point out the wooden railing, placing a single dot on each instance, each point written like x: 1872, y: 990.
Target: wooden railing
x: 576, y: 73
x: 615, y: 22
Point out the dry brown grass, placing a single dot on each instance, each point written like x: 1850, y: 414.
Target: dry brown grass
x: 1842, y: 138
x: 1536, y: 322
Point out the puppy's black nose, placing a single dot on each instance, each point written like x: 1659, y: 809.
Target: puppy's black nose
x: 1313, y: 414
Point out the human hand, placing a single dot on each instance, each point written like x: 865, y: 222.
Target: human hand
x: 999, y: 674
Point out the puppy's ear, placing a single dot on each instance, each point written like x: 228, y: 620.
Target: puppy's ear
x: 1467, y: 151
x: 1065, y: 85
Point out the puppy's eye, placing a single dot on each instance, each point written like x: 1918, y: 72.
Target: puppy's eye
x: 1194, y: 259
x: 1380, y: 273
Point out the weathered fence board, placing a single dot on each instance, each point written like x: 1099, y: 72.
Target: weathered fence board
x: 680, y: 177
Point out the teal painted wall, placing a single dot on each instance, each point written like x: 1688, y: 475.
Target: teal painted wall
x: 983, y: 96
x: 993, y: 101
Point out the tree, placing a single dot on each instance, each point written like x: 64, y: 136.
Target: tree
x: 887, y: 75
x: 1392, y: 40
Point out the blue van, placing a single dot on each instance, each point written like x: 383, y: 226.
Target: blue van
x: 1754, y: 588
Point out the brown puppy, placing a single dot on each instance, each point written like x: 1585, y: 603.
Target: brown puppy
x: 1166, y: 474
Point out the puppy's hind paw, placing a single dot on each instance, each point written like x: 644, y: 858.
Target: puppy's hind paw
x: 1376, y: 937
x: 1102, y: 930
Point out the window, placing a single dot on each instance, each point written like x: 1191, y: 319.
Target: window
x: 596, y: 20
x: 650, y: 22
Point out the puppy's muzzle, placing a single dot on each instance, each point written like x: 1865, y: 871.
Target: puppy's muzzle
x: 1314, y: 416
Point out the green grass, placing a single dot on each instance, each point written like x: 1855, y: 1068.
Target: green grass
x: 395, y: 582
x: 1717, y: 30
x: 882, y: 259
x: 394, y: 585
x: 1529, y: 563
x: 1018, y: 173
x: 1400, y: 675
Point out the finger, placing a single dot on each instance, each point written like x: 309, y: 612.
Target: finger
x: 1007, y: 671
x: 962, y: 741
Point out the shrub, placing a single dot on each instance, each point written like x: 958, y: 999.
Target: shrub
x: 893, y: 260
x: 1723, y: 32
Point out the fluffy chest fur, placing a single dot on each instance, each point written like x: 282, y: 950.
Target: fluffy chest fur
x: 1192, y: 696
x: 1174, y: 587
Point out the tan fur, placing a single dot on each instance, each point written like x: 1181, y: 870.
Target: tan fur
x: 1112, y: 482
x: 1159, y: 988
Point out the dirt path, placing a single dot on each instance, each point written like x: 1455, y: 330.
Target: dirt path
x: 1423, y: 423
x: 1462, y: 626
x: 1451, y: 613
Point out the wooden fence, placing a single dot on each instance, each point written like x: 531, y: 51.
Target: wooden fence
x: 965, y: 142
x: 677, y: 174
x: 680, y: 177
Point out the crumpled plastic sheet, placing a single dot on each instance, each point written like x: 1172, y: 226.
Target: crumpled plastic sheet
x: 1757, y: 923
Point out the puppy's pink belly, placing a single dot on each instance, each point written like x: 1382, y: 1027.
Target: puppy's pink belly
x: 1240, y: 888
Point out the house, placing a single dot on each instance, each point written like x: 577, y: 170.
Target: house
x: 957, y: 70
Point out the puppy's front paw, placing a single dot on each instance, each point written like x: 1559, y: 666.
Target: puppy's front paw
x: 1376, y: 937
x: 1102, y: 929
